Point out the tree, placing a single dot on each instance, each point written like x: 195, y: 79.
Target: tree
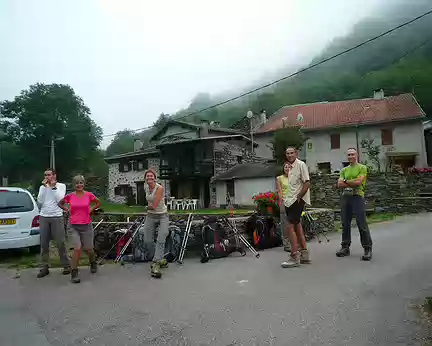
x: 161, y: 121
x: 39, y: 114
x: 123, y: 142
x: 287, y: 137
x: 373, y: 152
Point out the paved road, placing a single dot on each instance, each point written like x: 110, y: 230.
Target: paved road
x: 235, y: 301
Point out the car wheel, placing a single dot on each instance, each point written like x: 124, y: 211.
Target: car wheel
x: 34, y: 249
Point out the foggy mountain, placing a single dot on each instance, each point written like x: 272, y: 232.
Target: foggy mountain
x: 399, y: 62
x: 340, y: 75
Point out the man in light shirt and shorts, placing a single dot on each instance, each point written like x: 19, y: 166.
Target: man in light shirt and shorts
x: 296, y: 197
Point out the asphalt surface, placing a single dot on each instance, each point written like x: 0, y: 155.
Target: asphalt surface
x: 235, y: 301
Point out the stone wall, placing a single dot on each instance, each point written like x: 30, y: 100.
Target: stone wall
x: 384, y: 192
x: 116, y: 178
x: 323, y: 223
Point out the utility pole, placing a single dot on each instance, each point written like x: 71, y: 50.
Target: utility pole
x: 52, y: 153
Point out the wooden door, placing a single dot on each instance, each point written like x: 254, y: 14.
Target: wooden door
x: 141, y: 200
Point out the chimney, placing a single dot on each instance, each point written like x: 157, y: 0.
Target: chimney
x: 378, y: 94
x: 204, y: 130
x: 138, y: 144
x: 263, y: 117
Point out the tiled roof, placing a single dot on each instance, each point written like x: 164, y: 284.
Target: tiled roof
x: 345, y: 113
x: 196, y: 127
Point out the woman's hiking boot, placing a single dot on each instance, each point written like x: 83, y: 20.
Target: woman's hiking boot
x: 155, y: 270
x: 343, y: 252
x: 367, y: 256
x: 163, y: 263
x: 74, y: 276
x: 93, y: 267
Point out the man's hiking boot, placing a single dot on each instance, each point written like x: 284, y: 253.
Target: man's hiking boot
x: 293, y: 261
x: 367, y: 256
x: 305, y: 257
x: 163, y: 263
x: 44, y: 271
x: 66, y: 271
x: 93, y: 267
x: 74, y: 276
x: 155, y: 270
x: 343, y: 252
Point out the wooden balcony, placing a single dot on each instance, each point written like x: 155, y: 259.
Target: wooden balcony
x: 202, y: 169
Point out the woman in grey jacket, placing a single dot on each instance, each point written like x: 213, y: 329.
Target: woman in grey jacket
x: 157, y: 216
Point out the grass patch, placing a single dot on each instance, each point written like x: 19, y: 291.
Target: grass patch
x: 25, y: 259
x: 371, y: 219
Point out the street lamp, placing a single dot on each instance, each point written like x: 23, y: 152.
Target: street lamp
x: 250, y: 115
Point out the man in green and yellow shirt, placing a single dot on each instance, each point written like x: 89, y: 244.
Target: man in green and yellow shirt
x: 352, y: 181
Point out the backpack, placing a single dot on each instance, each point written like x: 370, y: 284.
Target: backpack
x: 142, y: 253
x: 218, y: 242
x: 264, y: 232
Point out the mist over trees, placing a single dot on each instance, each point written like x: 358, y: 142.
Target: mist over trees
x: 398, y: 63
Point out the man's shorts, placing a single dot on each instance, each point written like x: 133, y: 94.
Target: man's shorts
x: 82, y: 236
x: 294, y: 211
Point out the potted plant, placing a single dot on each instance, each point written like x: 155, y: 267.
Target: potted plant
x: 266, y: 203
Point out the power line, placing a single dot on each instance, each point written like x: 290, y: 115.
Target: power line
x: 297, y: 72
x: 411, y: 51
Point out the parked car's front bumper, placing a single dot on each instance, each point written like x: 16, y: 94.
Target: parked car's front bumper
x: 18, y: 243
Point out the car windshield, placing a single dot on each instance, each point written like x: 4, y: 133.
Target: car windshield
x: 15, y: 202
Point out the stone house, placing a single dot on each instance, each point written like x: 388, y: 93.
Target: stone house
x: 185, y: 156
x: 244, y: 181
x: 394, y: 123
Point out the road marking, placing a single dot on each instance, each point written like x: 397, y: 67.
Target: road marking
x: 241, y: 282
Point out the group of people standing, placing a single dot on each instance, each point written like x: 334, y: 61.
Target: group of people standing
x: 79, y: 204
x: 293, y: 188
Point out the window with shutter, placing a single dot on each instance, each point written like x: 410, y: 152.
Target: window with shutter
x: 123, y: 190
x: 121, y: 167
x: 135, y: 165
x: 387, y: 137
x: 335, y: 141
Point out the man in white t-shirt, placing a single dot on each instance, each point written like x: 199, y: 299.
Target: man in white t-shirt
x: 296, y: 197
x: 50, y: 194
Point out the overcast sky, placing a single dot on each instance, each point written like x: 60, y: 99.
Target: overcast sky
x: 131, y: 60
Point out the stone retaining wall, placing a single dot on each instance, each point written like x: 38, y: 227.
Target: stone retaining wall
x: 384, y: 192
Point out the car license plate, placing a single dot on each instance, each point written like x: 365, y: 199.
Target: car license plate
x: 7, y: 222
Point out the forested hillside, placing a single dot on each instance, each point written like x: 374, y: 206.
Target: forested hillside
x: 399, y: 62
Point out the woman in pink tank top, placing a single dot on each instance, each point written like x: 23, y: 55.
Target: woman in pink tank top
x: 81, y: 204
